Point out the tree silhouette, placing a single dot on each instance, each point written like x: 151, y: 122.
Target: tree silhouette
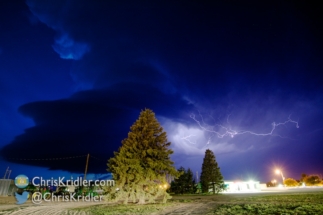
x: 211, y: 174
x: 184, y: 183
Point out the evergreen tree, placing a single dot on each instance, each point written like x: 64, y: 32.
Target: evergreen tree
x: 190, y: 182
x: 142, y: 162
x: 178, y: 185
x: 184, y: 183
x: 211, y: 174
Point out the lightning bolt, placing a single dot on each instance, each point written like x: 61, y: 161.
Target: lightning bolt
x: 208, y: 142
x: 187, y: 138
x: 228, y: 131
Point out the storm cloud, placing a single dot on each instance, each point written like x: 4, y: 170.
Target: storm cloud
x: 91, y: 122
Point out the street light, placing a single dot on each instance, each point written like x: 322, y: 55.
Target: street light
x: 281, y: 173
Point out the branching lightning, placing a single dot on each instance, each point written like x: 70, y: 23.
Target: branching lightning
x: 187, y: 138
x: 228, y: 131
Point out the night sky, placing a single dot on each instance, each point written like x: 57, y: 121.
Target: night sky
x: 75, y: 74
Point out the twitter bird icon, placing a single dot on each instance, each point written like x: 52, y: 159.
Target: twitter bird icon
x: 21, y: 198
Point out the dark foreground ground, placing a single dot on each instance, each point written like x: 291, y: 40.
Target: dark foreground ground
x: 283, y: 201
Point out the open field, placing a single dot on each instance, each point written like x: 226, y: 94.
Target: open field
x: 249, y: 203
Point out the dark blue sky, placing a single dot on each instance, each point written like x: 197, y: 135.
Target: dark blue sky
x: 74, y: 76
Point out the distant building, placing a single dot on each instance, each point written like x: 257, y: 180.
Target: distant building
x: 242, y: 186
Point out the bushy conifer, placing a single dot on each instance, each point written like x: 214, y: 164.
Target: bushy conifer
x: 142, y: 162
x: 211, y: 174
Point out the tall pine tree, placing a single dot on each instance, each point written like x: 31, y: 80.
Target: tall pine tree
x: 184, y: 183
x: 211, y: 174
x: 142, y: 162
x: 190, y: 182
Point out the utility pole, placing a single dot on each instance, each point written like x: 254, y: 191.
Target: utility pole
x: 86, y: 165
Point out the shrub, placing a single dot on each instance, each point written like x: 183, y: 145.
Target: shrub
x: 312, y: 180
x: 290, y: 182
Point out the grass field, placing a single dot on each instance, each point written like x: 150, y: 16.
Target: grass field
x: 311, y: 204
x: 274, y: 204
